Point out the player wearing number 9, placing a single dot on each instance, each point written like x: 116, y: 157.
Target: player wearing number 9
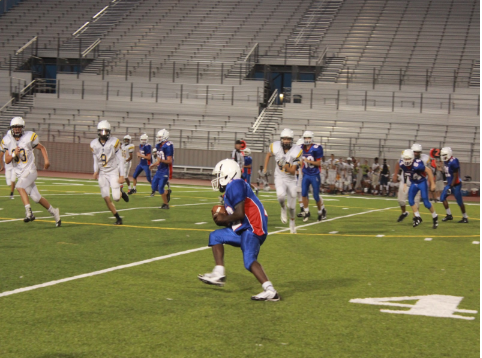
x: 21, y: 151
x: 108, y: 167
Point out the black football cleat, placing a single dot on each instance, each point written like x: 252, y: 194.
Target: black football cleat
x: 463, y: 221
x: 29, y: 217
x: 169, y: 191
x: 164, y: 206
x: 125, y: 196
x: 152, y: 194
x: 306, y: 216
x: 417, y: 220
x: 132, y: 191
x: 435, y: 222
x: 300, y: 215
x: 323, y: 214
x: 118, y: 221
x: 401, y: 217
x: 447, y: 218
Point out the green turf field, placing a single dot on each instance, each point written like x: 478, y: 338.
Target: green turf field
x: 160, y: 309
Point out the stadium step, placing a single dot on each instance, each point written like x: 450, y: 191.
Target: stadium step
x: 19, y: 109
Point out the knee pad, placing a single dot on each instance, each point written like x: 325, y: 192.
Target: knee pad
x: 116, y: 194
x: 35, y: 195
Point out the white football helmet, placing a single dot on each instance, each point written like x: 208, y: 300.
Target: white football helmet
x: 446, y: 153
x: 127, y: 139
x: 17, y: 123
x: 144, y: 138
x: 286, y: 134
x: 407, y: 157
x: 416, y: 147
x: 309, y: 135
x: 162, y: 136
x: 300, y: 141
x: 348, y: 159
x: 103, y: 130
x: 226, y: 171
x: 247, y: 152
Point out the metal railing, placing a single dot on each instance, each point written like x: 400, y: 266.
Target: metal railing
x: 262, y: 115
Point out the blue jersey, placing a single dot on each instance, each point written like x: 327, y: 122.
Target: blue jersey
x: 314, y: 153
x: 416, y: 171
x: 165, y: 150
x: 451, y: 166
x: 248, y: 161
x: 255, y: 217
x: 145, y: 149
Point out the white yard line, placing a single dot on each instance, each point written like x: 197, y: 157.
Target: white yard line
x: 95, y: 273
x: 108, y: 211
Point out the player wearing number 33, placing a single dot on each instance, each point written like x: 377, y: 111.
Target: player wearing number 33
x: 287, y: 158
x: 20, y: 150
x: 246, y: 224
x: 417, y: 172
x: 108, y: 166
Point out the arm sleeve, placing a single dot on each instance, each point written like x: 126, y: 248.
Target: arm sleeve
x: 34, y: 140
x: 120, y: 160
x: 96, y: 164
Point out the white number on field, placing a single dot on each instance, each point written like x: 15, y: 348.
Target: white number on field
x: 431, y: 305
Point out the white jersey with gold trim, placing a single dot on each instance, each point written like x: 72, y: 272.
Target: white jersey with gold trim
x: 126, y: 149
x: 292, y: 156
x: 106, y: 155
x: 4, y: 144
x: 26, y: 158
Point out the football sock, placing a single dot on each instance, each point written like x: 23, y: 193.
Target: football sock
x: 322, y: 206
x: 448, y: 211
x: 434, y: 214
x: 117, y: 216
x: 268, y: 286
x: 219, y: 270
x: 51, y: 210
x: 465, y: 215
x: 134, y: 187
x: 301, y: 205
x: 417, y: 214
x: 27, y: 209
x: 11, y: 193
x: 292, y: 213
x: 307, y: 209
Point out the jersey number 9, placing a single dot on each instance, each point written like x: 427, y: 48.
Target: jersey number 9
x: 103, y: 159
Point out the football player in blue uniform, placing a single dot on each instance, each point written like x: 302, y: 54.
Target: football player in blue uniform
x: 312, y: 158
x: 165, y: 155
x: 144, y: 154
x: 248, y: 165
x: 454, y: 184
x: 246, y: 224
x: 418, y: 172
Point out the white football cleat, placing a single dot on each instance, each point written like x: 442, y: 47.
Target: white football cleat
x: 58, y: 222
x: 212, y: 278
x: 284, y: 217
x: 268, y: 295
x: 292, y: 226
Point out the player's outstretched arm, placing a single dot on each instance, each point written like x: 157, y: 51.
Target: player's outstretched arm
x: 44, y: 154
x: 266, y: 161
x: 226, y: 219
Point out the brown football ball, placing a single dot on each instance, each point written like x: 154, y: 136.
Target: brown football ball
x: 218, y: 209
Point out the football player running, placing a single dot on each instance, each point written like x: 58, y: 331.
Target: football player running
x: 287, y: 159
x: 10, y: 176
x: 21, y: 151
x: 127, y: 153
x: 108, y: 167
x: 417, y: 173
x: 454, y: 184
x: 144, y: 154
x: 165, y: 155
x: 246, y: 224
x: 312, y: 157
